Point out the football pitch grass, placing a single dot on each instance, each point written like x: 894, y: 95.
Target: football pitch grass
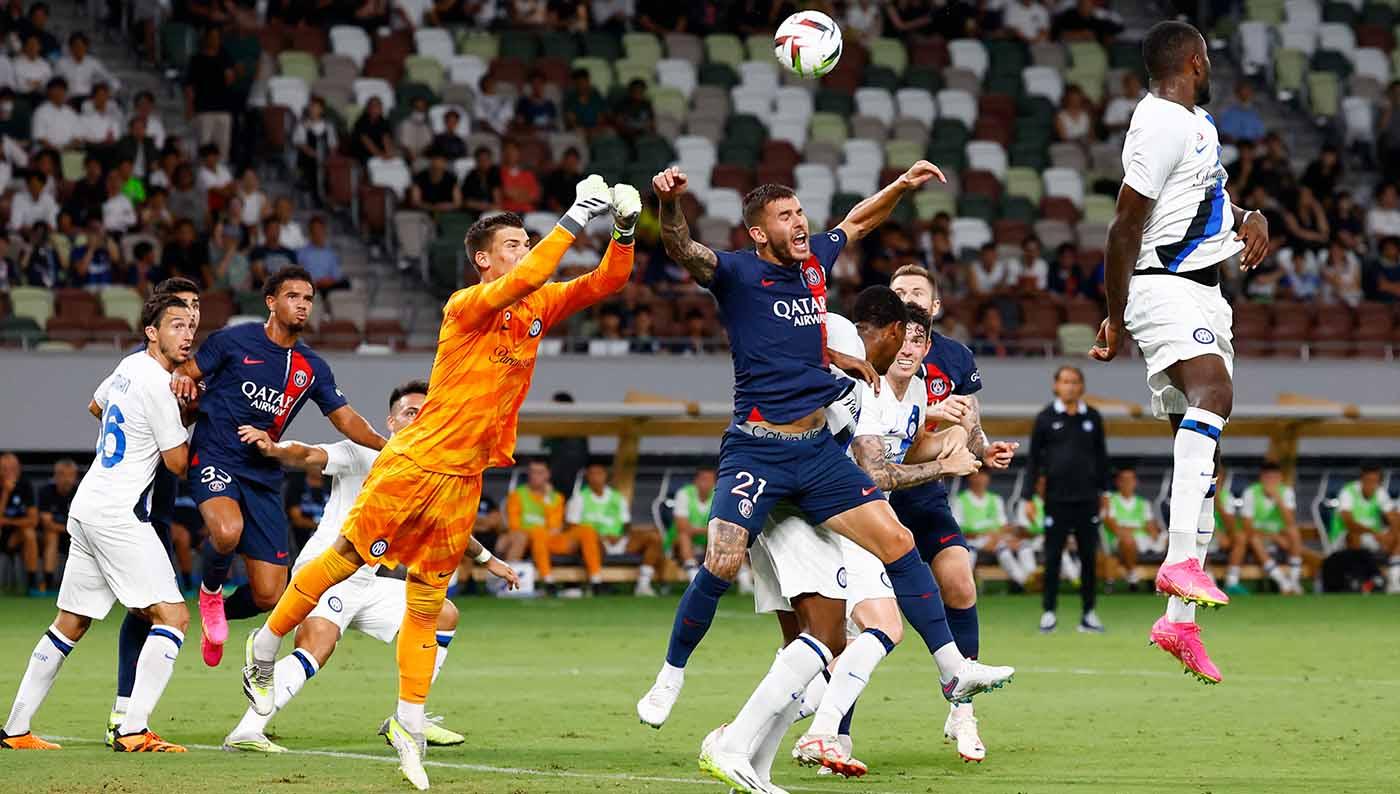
x: 545, y: 693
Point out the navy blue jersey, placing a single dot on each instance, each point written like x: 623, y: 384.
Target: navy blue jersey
x: 949, y: 368
x: 776, y: 319
x: 251, y: 380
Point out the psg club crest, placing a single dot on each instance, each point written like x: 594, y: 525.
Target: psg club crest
x: 299, y: 378
x: 377, y: 548
x: 746, y: 508
x: 1204, y: 336
x: 216, y: 486
x: 938, y: 387
x: 812, y: 275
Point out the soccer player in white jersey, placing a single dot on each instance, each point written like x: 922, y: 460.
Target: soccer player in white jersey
x: 115, y: 555
x: 366, y: 601
x: 1173, y: 227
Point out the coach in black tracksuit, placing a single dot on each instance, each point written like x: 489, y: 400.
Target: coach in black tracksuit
x: 1068, y: 448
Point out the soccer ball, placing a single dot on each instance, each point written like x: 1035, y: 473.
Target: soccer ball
x: 808, y: 43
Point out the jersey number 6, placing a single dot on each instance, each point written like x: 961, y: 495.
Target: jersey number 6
x: 112, y: 446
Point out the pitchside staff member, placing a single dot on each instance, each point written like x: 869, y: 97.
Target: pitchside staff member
x: 1067, y: 447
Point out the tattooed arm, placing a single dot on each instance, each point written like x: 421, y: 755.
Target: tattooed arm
x: 697, y: 259
x: 995, y: 454
x: 869, y: 454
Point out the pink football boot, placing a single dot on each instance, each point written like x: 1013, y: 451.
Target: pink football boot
x: 1187, y: 581
x: 1183, y: 640
x: 214, y: 627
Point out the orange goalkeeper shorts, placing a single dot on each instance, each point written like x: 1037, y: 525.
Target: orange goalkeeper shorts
x: 414, y: 517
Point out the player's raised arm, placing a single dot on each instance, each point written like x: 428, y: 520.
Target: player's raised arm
x: 1120, y: 258
x: 699, y: 261
x: 613, y: 271
x: 867, y: 216
x: 354, y: 427
x: 994, y: 454
x: 291, y: 454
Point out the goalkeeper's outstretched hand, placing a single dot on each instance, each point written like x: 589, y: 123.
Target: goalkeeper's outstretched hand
x: 626, y: 208
x: 591, y: 200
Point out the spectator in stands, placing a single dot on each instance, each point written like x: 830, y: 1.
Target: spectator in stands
x: 321, y: 260
x: 481, y: 187
x: 450, y: 141
x: 162, y: 174
x: 186, y: 256
x: 98, y: 260
x: 535, y: 109
x: 1240, y: 122
x: 584, y: 107
x: 435, y: 188
x: 1119, y: 111
x: 146, y: 266
x: 1324, y: 173
x: 1086, y: 20
x: 1306, y: 225
x: 187, y: 200
x: 38, y: 26
x: 697, y: 335
x: 1347, y: 221
x: 132, y: 186
x: 146, y: 109
x: 558, y: 188
x: 41, y: 262
x: 1273, y: 170
x: 54, y: 499
x: 634, y: 114
x: 13, y: 128
x: 55, y: 125
x: 209, y: 97
x: 255, y: 205
x: 138, y: 147
x: 88, y: 193
x: 493, y: 109
x: 1032, y: 274
x: 214, y: 178
x: 118, y: 212
x: 908, y: 17
x: 32, y: 205
x: 659, y: 17
x: 315, y: 139
x: 862, y: 21
x: 611, y: 15
x: 520, y: 190
x: 537, y: 510
x: 1268, y: 280
x: 690, y: 518
x: 293, y: 236
x: 990, y: 338
x: 101, y: 121
x: 1028, y: 19
x: 1382, y: 283
x: 1073, y: 122
x: 1341, y: 275
x: 599, y: 508
x: 643, y: 335
x: 10, y: 273
x: 1383, y: 219
x: 19, y: 519
x: 371, y: 136
x: 83, y: 71
x: 32, y: 71
x: 305, y: 504
x: 415, y: 133
x: 989, y: 277
x: 271, y: 256
x: 230, y: 267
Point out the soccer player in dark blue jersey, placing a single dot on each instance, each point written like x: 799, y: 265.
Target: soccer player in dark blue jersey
x: 953, y: 380
x: 258, y: 375
x: 772, y: 302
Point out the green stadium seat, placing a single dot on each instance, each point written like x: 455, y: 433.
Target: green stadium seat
x: 841, y: 204
x: 642, y: 46
x: 890, y: 54
x: 558, y: 44
x: 828, y: 127
x: 485, y: 46
x: 925, y: 77
x: 758, y: 47
x: 1098, y: 208
x: 740, y: 153
x: 1339, y: 12
x: 947, y: 156
x: 602, y: 45
x: 902, y: 154
x: 1008, y: 84
x: 724, y: 48
x: 876, y: 76
x: 446, y: 259
x: 629, y: 70
x: 425, y: 70
x: 653, y: 153
x: 668, y: 101
x: 599, y: 71
x: 1324, y: 94
x: 1006, y: 57
x: 929, y: 202
x: 404, y: 95
x: 20, y: 332
x: 608, y: 150
x: 1126, y: 55
x: 828, y: 101
x: 744, y: 130
x: 720, y: 74
x: 519, y: 44
x: 974, y: 206
x: 295, y: 63
x: 1031, y: 108
x: 454, y: 225
x: 1024, y: 182
x: 35, y: 303
x: 1290, y: 67
x: 1378, y: 14
x: 1266, y: 11
x: 951, y: 132
x: 1019, y: 208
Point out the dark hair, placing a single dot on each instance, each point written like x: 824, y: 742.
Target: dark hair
x: 879, y: 306
x: 208, y: 149
x: 1070, y: 368
x: 562, y: 397
x: 1166, y: 47
x: 142, y: 248
x: 760, y: 197
x: 577, y: 73
x: 153, y: 311
x: 480, y: 235
x: 145, y: 95
x: 921, y: 272
x: 276, y: 280
x: 919, y: 317
x: 480, y: 150
x: 1370, y: 466
x: 1268, y: 466
x: 176, y: 286
x: 541, y: 461
x: 987, y: 246
x: 1125, y: 467
x: 410, y: 387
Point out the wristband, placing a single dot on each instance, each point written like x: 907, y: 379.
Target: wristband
x: 484, y: 557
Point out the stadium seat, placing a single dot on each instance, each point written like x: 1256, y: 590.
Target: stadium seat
x: 677, y: 73
x: 875, y: 102
x: 745, y: 130
x: 1050, y: 54
x: 685, y: 47
x: 627, y: 70
x: 435, y: 43
x: 393, y: 175
x: 1098, y: 209
x: 599, y: 72
x: 34, y: 303
x: 980, y: 183
x: 959, y: 106
x: 718, y: 74
x: 724, y: 48
x: 759, y: 47
x: 295, y: 63
x: 642, y: 46
x: 351, y: 42
x: 814, y: 177
x: 425, y: 70
x: 903, y: 153
x: 828, y: 128
x: 969, y: 54
x: 879, y: 77
x: 1068, y: 155
x: 366, y: 87
x: 755, y: 102
x: 864, y: 152
x: 695, y: 154
x: 289, y: 92
x: 1024, y: 182
x: 1290, y: 69
x: 1371, y: 63
x: 962, y: 80
x: 869, y: 127
x: 916, y: 103
x: 987, y: 156
x: 1302, y: 38
x: 890, y: 54
x: 1358, y: 115
x: 910, y: 130
x: 970, y: 234
x: 759, y: 76
x: 724, y: 203
x: 1044, y: 81
x: 929, y: 202
x: 1324, y: 91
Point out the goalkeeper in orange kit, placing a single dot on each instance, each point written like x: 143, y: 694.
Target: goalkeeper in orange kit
x: 420, y: 498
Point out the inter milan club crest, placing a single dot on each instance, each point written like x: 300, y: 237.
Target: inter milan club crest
x: 1204, y: 336
x: 536, y: 327
x: 377, y: 548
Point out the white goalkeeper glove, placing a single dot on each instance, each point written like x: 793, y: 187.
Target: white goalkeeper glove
x: 626, y: 208
x: 591, y: 200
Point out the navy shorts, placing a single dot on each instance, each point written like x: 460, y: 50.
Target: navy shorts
x: 813, y: 473
x: 925, y: 511
x: 264, y: 520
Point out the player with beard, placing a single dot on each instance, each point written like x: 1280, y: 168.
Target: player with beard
x: 1173, y: 227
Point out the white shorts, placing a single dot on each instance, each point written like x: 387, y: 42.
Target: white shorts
x: 123, y: 562
x: 866, y: 579
x: 791, y: 557
x: 367, y: 602
x: 1175, y: 319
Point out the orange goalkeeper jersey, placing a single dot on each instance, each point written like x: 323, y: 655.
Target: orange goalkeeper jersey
x: 486, y: 355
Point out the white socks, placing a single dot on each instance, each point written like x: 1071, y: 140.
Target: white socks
x: 794, y: 668
x: 849, y: 677
x: 1193, y: 467
x: 1026, y: 557
x: 289, y: 675
x: 444, y: 639
x: 153, y: 669
x: 812, y: 698
x: 1008, y: 562
x: 38, y: 679
x: 1069, y: 567
x: 1232, y: 576
x: 1179, y: 611
x: 770, y: 742
x: 266, y: 644
x: 949, y: 660
x: 644, y: 575
x: 411, y: 717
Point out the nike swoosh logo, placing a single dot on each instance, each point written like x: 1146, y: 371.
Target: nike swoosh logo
x: 868, y: 491
x: 171, y: 658
x: 247, y: 360
x: 765, y: 282
x: 949, y: 687
x: 947, y: 538
x: 427, y: 646
x: 688, y: 622
x: 304, y: 594
x: 281, y: 555
x: 444, y: 575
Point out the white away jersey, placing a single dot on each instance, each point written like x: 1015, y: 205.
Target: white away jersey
x: 140, y: 419
x: 1172, y: 156
x: 894, y: 419
x: 841, y: 416
x: 347, y: 464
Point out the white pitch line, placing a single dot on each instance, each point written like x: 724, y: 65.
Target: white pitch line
x: 501, y: 770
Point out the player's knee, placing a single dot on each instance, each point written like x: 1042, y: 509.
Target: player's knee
x: 174, y: 614
x: 72, y: 626
x: 424, y: 600
x: 265, y: 595
x: 318, y: 636
x: 447, y: 618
